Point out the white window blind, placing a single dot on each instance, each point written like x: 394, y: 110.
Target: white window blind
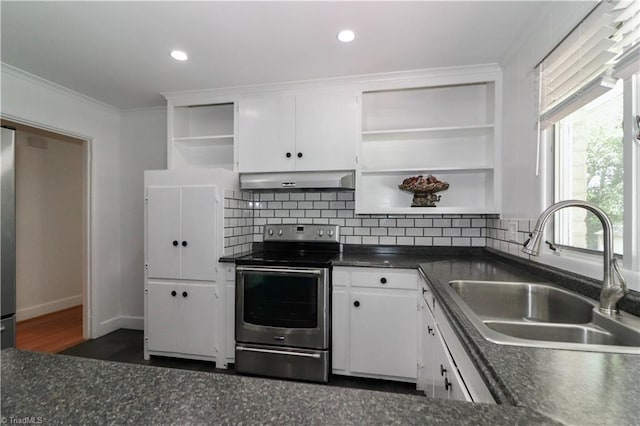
x: 580, y: 68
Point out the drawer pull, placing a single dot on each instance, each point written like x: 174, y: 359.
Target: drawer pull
x: 383, y: 280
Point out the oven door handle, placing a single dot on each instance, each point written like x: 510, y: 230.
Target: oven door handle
x: 280, y: 270
x: 272, y: 351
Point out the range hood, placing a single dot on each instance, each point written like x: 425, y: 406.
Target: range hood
x: 338, y: 181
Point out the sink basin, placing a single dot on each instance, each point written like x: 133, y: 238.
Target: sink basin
x: 523, y: 301
x: 543, y: 315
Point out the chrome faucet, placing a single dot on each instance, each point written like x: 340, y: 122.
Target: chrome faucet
x: 612, y: 292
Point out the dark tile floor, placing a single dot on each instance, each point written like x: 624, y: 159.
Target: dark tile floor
x: 127, y: 346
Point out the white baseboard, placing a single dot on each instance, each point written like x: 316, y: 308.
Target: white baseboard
x: 47, y: 308
x: 122, y: 321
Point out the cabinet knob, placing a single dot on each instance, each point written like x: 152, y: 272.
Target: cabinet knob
x: 175, y: 243
x: 383, y: 280
x: 288, y: 155
x: 442, y: 370
x: 173, y: 293
x: 184, y: 294
x: 184, y: 244
x: 447, y: 384
x: 299, y: 155
x: 356, y: 303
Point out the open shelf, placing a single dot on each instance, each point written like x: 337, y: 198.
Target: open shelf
x: 450, y: 132
x: 205, y: 139
x: 445, y: 131
x: 202, y: 136
x: 426, y: 171
x: 470, y: 191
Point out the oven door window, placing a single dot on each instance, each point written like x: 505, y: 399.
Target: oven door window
x: 285, y: 301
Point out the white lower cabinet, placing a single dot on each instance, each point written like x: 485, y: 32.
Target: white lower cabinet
x: 181, y: 319
x: 374, y: 323
x: 383, y: 333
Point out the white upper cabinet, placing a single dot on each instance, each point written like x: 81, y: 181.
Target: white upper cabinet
x: 310, y: 131
x: 326, y: 131
x: 266, y: 134
x: 181, y: 232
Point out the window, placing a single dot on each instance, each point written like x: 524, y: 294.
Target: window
x: 589, y: 166
x: 588, y: 90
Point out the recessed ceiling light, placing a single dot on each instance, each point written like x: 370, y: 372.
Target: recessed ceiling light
x: 179, y: 55
x: 346, y: 36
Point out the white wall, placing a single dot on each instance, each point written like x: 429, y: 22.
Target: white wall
x: 521, y: 196
x: 31, y: 100
x: 143, y: 146
x: 49, y: 225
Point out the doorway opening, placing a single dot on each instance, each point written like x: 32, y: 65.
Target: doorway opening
x: 52, y: 228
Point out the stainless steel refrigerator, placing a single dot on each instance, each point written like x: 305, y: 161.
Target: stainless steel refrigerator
x: 7, y: 238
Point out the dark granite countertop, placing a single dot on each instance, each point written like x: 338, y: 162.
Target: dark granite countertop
x: 572, y: 387
x: 59, y: 389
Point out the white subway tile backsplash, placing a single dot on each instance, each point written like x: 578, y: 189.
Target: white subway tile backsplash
x: 405, y: 241
x: 424, y: 223
x: 451, y: 232
x: 247, y: 213
x: 396, y: 231
x: 414, y: 232
x: 442, y: 241
x: 442, y: 223
x: 328, y: 196
x: 361, y: 231
x: 389, y: 223
x: 370, y: 240
x: 390, y: 241
x: 379, y: 231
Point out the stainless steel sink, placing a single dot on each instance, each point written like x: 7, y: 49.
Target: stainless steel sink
x: 543, y: 315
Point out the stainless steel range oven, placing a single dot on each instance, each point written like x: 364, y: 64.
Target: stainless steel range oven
x: 283, y: 321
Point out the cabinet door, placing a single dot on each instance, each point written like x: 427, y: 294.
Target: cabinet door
x: 266, y: 133
x: 163, y: 317
x: 427, y: 371
x: 198, y: 244
x: 383, y: 333
x: 199, y: 312
x: 163, y: 231
x: 326, y: 131
x: 440, y: 367
x: 339, y: 326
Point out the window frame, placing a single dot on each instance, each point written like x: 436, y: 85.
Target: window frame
x: 589, y: 262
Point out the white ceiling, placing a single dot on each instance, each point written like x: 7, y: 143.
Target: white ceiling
x: 117, y: 52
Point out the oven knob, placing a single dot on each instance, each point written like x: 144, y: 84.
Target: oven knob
x: 280, y: 232
x: 330, y: 232
x: 320, y: 232
x: 270, y: 231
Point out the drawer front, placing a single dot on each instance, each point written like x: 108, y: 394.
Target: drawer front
x: 340, y: 276
x: 385, y: 278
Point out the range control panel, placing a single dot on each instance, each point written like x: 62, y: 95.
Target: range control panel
x: 315, y: 233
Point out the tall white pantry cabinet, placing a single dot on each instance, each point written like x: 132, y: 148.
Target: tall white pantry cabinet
x: 185, y: 286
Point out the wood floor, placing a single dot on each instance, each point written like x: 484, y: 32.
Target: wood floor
x: 51, y: 333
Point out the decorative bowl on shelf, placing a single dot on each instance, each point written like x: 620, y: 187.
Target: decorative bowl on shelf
x: 424, y: 190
